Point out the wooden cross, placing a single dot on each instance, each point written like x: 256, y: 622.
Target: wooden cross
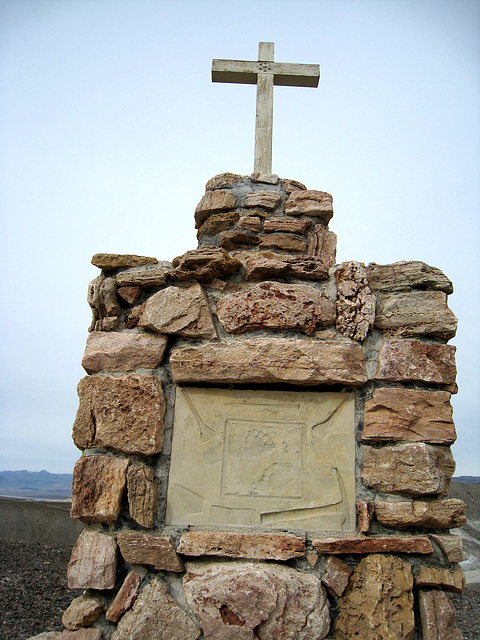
x: 265, y: 74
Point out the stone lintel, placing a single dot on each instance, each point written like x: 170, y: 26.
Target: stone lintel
x: 373, y: 545
x: 261, y: 546
x: 111, y: 261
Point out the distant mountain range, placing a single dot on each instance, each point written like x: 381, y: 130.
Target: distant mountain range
x: 467, y: 479
x: 40, y: 485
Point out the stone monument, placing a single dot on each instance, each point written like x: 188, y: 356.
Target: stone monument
x: 265, y: 433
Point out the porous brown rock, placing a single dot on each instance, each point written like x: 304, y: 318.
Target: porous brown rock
x: 97, y: 488
x: 370, y: 544
x: 415, y: 415
x: 414, y: 468
x: 103, y: 301
x: 125, y: 414
x: 112, y: 261
x: 318, y: 204
x: 284, y: 242
x: 322, y: 243
x: 148, y: 276
x: 412, y: 361
x: 452, y: 546
x: 250, y: 223
x: 93, y: 562
x: 272, y: 305
x: 238, y: 239
x: 266, y: 199
x: 265, y: 265
x: 378, y: 602
x: 213, y: 201
x: 263, y: 360
x: 289, y: 186
x: 178, y: 310
x: 355, y: 302
x: 129, y: 294
x: 274, y: 225
x: 437, y: 514
x: 260, y: 546
x: 248, y: 601
x: 415, y: 313
x: 446, y: 579
x: 407, y: 275
x: 155, y: 616
x: 122, y: 351
x: 155, y: 551
x: 223, y: 180
x: 437, y: 616
x: 82, y: 611
x: 205, y: 264
x: 217, y: 222
x: 336, y: 575
x: 126, y: 596
x: 142, y: 494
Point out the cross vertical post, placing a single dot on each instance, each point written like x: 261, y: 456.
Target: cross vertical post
x: 264, y: 114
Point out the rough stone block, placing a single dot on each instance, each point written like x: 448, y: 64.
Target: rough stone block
x: 129, y: 294
x: 438, y: 514
x: 452, y: 546
x: 444, y: 578
x: 82, y: 611
x: 145, y: 277
x: 272, y: 305
x: 122, y: 351
x: 238, y: 239
x: 217, y: 222
x: 316, y: 204
x: 223, y: 180
x: 111, y: 261
x: 263, y: 360
x: 414, y: 415
x: 437, y: 616
x: 82, y: 634
x: 284, y: 242
x: 266, y: 178
x: 125, y: 414
x: 213, y: 201
x: 414, y: 468
x: 365, y: 511
x: 93, y: 562
x: 142, y: 495
x: 265, y: 265
x: 274, y: 225
x: 126, y: 596
x: 406, y: 275
x: 378, y: 602
x: 248, y: 601
x: 155, y: 616
x: 355, y: 302
x: 205, y: 264
x: 154, y: 551
x: 289, y: 186
x: 322, y: 243
x: 102, y: 298
x: 260, y: 546
x: 250, y: 223
x: 265, y: 199
x: 336, y: 575
x: 412, y: 361
x: 370, y: 544
x: 97, y: 488
x: 415, y: 313
x: 181, y: 311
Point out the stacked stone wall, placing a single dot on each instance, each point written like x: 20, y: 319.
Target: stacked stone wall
x: 261, y: 305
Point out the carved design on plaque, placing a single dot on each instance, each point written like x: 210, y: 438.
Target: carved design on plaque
x: 267, y: 459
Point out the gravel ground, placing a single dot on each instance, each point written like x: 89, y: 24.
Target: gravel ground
x: 34, y: 594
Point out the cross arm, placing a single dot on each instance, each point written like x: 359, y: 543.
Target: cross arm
x: 240, y: 71
x: 284, y: 73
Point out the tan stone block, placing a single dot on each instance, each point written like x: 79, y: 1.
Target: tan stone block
x: 82, y: 611
x: 266, y: 178
x: 355, y: 302
x: 124, y: 413
x: 292, y: 185
x: 370, y: 544
x: 406, y: 275
x: 414, y: 468
x: 437, y: 616
x: 316, y: 204
x: 277, y: 306
x: 223, y: 180
x: 142, y: 495
x: 82, y: 634
x: 238, y: 239
x: 252, y: 600
x: 264, y: 459
x: 265, y: 360
x: 181, y: 311
x: 250, y: 223
x: 378, y: 602
x: 265, y: 265
x: 273, y: 225
x: 93, y: 562
x: 125, y: 597
x: 155, y: 616
x: 129, y: 294
x: 336, y: 575
x: 266, y: 199
x: 97, y: 489
x: 145, y: 277
x: 260, y: 546
x: 122, y: 351
x: 322, y: 243
x: 111, y: 261
x: 415, y: 313
x: 205, y: 264
x: 284, y: 242
x: 452, y: 546
x: 444, y: 578
x: 409, y: 414
x: 364, y: 515
x: 409, y: 360
x: 438, y: 514
x: 217, y: 222
x: 154, y: 551
x: 213, y: 201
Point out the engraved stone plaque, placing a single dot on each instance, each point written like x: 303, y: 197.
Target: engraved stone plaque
x: 264, y: 459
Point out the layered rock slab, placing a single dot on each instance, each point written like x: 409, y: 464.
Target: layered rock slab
x: 260, y: 546
x: 266, y: 361
x: 444, y: 578
x: 154, y: 551
x: 112, y: 261
x: 206, y: 263
x: 122, y: 351
x: 82, y: 611
x: 142, y: 495
x: 437, y: 616
x: 378, y: 602
x: 438, y: 514
x: 318, y: 204
x: 412, y: 361
x: 245, y: 601
x: 93, y: 562
x: 407, y: 275
x: 265, y: 265
x: 355, y: 302
x: 125, y: 597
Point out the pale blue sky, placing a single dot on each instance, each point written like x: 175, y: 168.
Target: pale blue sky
x: 111, y: 126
